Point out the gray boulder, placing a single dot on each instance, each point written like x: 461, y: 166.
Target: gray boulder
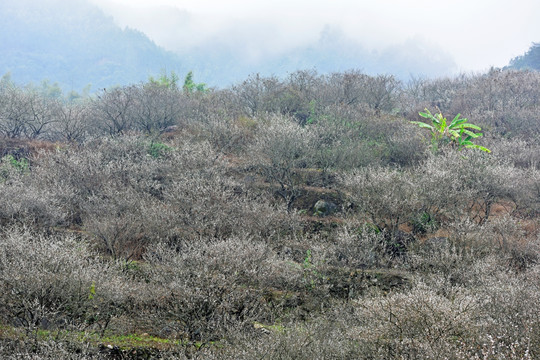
x: 324, y: 208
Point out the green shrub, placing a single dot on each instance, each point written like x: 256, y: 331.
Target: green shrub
x: 457, y: 133
x: 158, y: 149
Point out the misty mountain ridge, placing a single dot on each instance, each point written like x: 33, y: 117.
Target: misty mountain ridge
x: 75, y: 44
x: 528, y: 61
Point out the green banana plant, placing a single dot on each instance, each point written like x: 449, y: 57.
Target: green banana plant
x: 458, y: 132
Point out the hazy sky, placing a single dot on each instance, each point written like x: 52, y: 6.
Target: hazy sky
x: 476, y: 33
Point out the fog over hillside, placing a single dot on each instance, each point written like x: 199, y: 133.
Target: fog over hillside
x: 75, y: 44
x: 116, y: 42
x: 224, y: 44
x: 475, y: 35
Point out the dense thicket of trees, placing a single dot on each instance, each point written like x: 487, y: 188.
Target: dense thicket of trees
x: 503, y: 102
x: 298, y: 217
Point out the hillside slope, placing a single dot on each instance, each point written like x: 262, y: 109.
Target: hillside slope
x: 529, y: 60
x: 75, y: 44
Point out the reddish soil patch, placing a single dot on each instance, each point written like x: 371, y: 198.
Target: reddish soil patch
x: 20, y: 148
x: 502, y: 208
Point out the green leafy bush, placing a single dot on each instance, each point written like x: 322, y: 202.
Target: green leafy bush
x: 158, y: 149
x: 457, y: 133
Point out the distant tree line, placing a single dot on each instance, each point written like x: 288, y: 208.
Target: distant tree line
x: 503, y: 101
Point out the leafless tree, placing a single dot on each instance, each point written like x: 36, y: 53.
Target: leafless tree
x: 72, y: 121
x: 113, y: 110
x: 281, y: 148
x: 380, y: 92
x: 259, y: 94
x: 155, y: 107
